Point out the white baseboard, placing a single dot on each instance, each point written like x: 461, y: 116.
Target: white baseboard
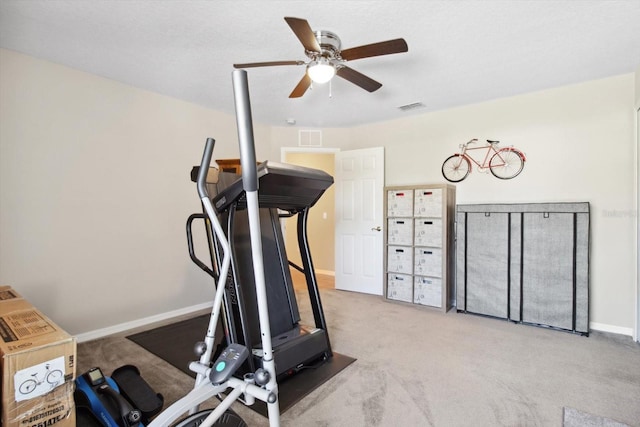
x: 325, y: 272
x: 101, y: 333
x: 610, y: 328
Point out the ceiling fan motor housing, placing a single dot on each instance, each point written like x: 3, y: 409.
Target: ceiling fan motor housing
x: 329, y: 45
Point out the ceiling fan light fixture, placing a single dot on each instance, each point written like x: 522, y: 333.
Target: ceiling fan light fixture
x: 321, y: 71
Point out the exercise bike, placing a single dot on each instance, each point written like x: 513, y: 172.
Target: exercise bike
x: 217, y: 378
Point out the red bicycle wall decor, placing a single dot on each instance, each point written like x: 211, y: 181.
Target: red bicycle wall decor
x: 503, y: 162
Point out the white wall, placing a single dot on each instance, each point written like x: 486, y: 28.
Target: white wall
x: 95, y: 187
x: 95, y: 192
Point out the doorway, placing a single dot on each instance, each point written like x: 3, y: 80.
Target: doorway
x: 360, y: 268
x: 321, y: 224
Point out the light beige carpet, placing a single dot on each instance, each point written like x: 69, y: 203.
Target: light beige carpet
x: 419, y: 367
x: 576, y: 418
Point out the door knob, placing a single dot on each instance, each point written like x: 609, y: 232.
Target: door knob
x: 378, y: 228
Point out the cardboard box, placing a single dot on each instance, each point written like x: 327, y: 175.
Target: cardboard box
x: 6, y: 293
x: 38, y: 366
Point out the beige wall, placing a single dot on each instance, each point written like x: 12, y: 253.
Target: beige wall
x: 637, y: 86
x: 95, y: 187
x: 95, y: 192
x: 579, y: 142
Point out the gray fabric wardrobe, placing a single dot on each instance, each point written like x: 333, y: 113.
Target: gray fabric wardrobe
x: 527, y: 263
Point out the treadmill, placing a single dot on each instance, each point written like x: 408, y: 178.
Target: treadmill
x: 284, y: 191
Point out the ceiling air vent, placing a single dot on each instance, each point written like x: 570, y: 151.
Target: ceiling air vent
x: 411, y: 106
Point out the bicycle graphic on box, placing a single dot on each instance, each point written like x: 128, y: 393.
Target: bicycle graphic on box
x: 503, y: 162
x: 38, y: 380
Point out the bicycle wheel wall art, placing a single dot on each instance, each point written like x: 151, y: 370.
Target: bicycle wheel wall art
x: 503, y: 162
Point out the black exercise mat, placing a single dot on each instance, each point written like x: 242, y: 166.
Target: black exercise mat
x: 173, y: 343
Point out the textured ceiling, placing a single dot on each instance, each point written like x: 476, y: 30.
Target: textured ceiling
x: 460, y: 52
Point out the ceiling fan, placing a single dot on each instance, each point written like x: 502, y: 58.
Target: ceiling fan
x: 326, y: 59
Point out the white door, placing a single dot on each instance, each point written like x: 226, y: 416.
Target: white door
x: 359, y: 178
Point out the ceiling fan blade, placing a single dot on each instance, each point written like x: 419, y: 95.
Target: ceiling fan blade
x: 267, y: 64
x: 359, y: 79
x: 375, y: 49
x: 304, y: 33
x: 302, y: 87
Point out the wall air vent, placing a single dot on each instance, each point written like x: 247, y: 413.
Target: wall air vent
x: 310, y: 138
x: 411, y: 106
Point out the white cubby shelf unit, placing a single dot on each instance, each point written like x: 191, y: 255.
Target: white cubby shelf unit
x: 419, y: 245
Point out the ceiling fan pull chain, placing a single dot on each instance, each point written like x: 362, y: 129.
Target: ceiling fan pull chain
x: 330, y: 94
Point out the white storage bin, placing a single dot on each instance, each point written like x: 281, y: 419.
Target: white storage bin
x: 400, y: 203
x: 428, y: 232
x: 428, y: 202
x: 399, y: 287
x: 428, y: 262
x: 399, y: 259
x: 400, y: 231
x: 427, y: 291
